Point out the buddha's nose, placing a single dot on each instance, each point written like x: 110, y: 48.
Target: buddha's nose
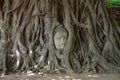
x: 62, y: 40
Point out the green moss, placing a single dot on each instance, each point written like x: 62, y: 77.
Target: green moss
x: 36, y: 42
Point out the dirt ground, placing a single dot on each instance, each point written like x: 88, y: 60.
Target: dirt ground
x: 83, y: 76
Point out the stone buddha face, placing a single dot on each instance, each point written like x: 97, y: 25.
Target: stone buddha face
x: 60, y: 38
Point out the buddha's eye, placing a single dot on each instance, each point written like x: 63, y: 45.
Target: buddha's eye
x: 65, y: 36
x: 58, y: 37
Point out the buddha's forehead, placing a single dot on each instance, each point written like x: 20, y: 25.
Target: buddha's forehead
x: 60, y: 29
x: 61, y: 33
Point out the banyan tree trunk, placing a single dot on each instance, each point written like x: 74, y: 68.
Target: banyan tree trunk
x: 27, y: 30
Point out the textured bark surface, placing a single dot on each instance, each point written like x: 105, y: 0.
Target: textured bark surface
x: 26, y: 39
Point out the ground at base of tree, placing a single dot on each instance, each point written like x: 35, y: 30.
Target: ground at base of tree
x: 83, y: 76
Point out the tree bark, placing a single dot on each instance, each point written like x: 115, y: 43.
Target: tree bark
x: 27, y: 32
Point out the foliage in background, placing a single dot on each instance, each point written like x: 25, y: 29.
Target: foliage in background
x: 113, y: 3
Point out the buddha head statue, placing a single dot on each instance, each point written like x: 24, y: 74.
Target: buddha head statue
x: 60, y: 36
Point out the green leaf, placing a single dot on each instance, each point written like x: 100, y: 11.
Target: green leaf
x: 112, y: 3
